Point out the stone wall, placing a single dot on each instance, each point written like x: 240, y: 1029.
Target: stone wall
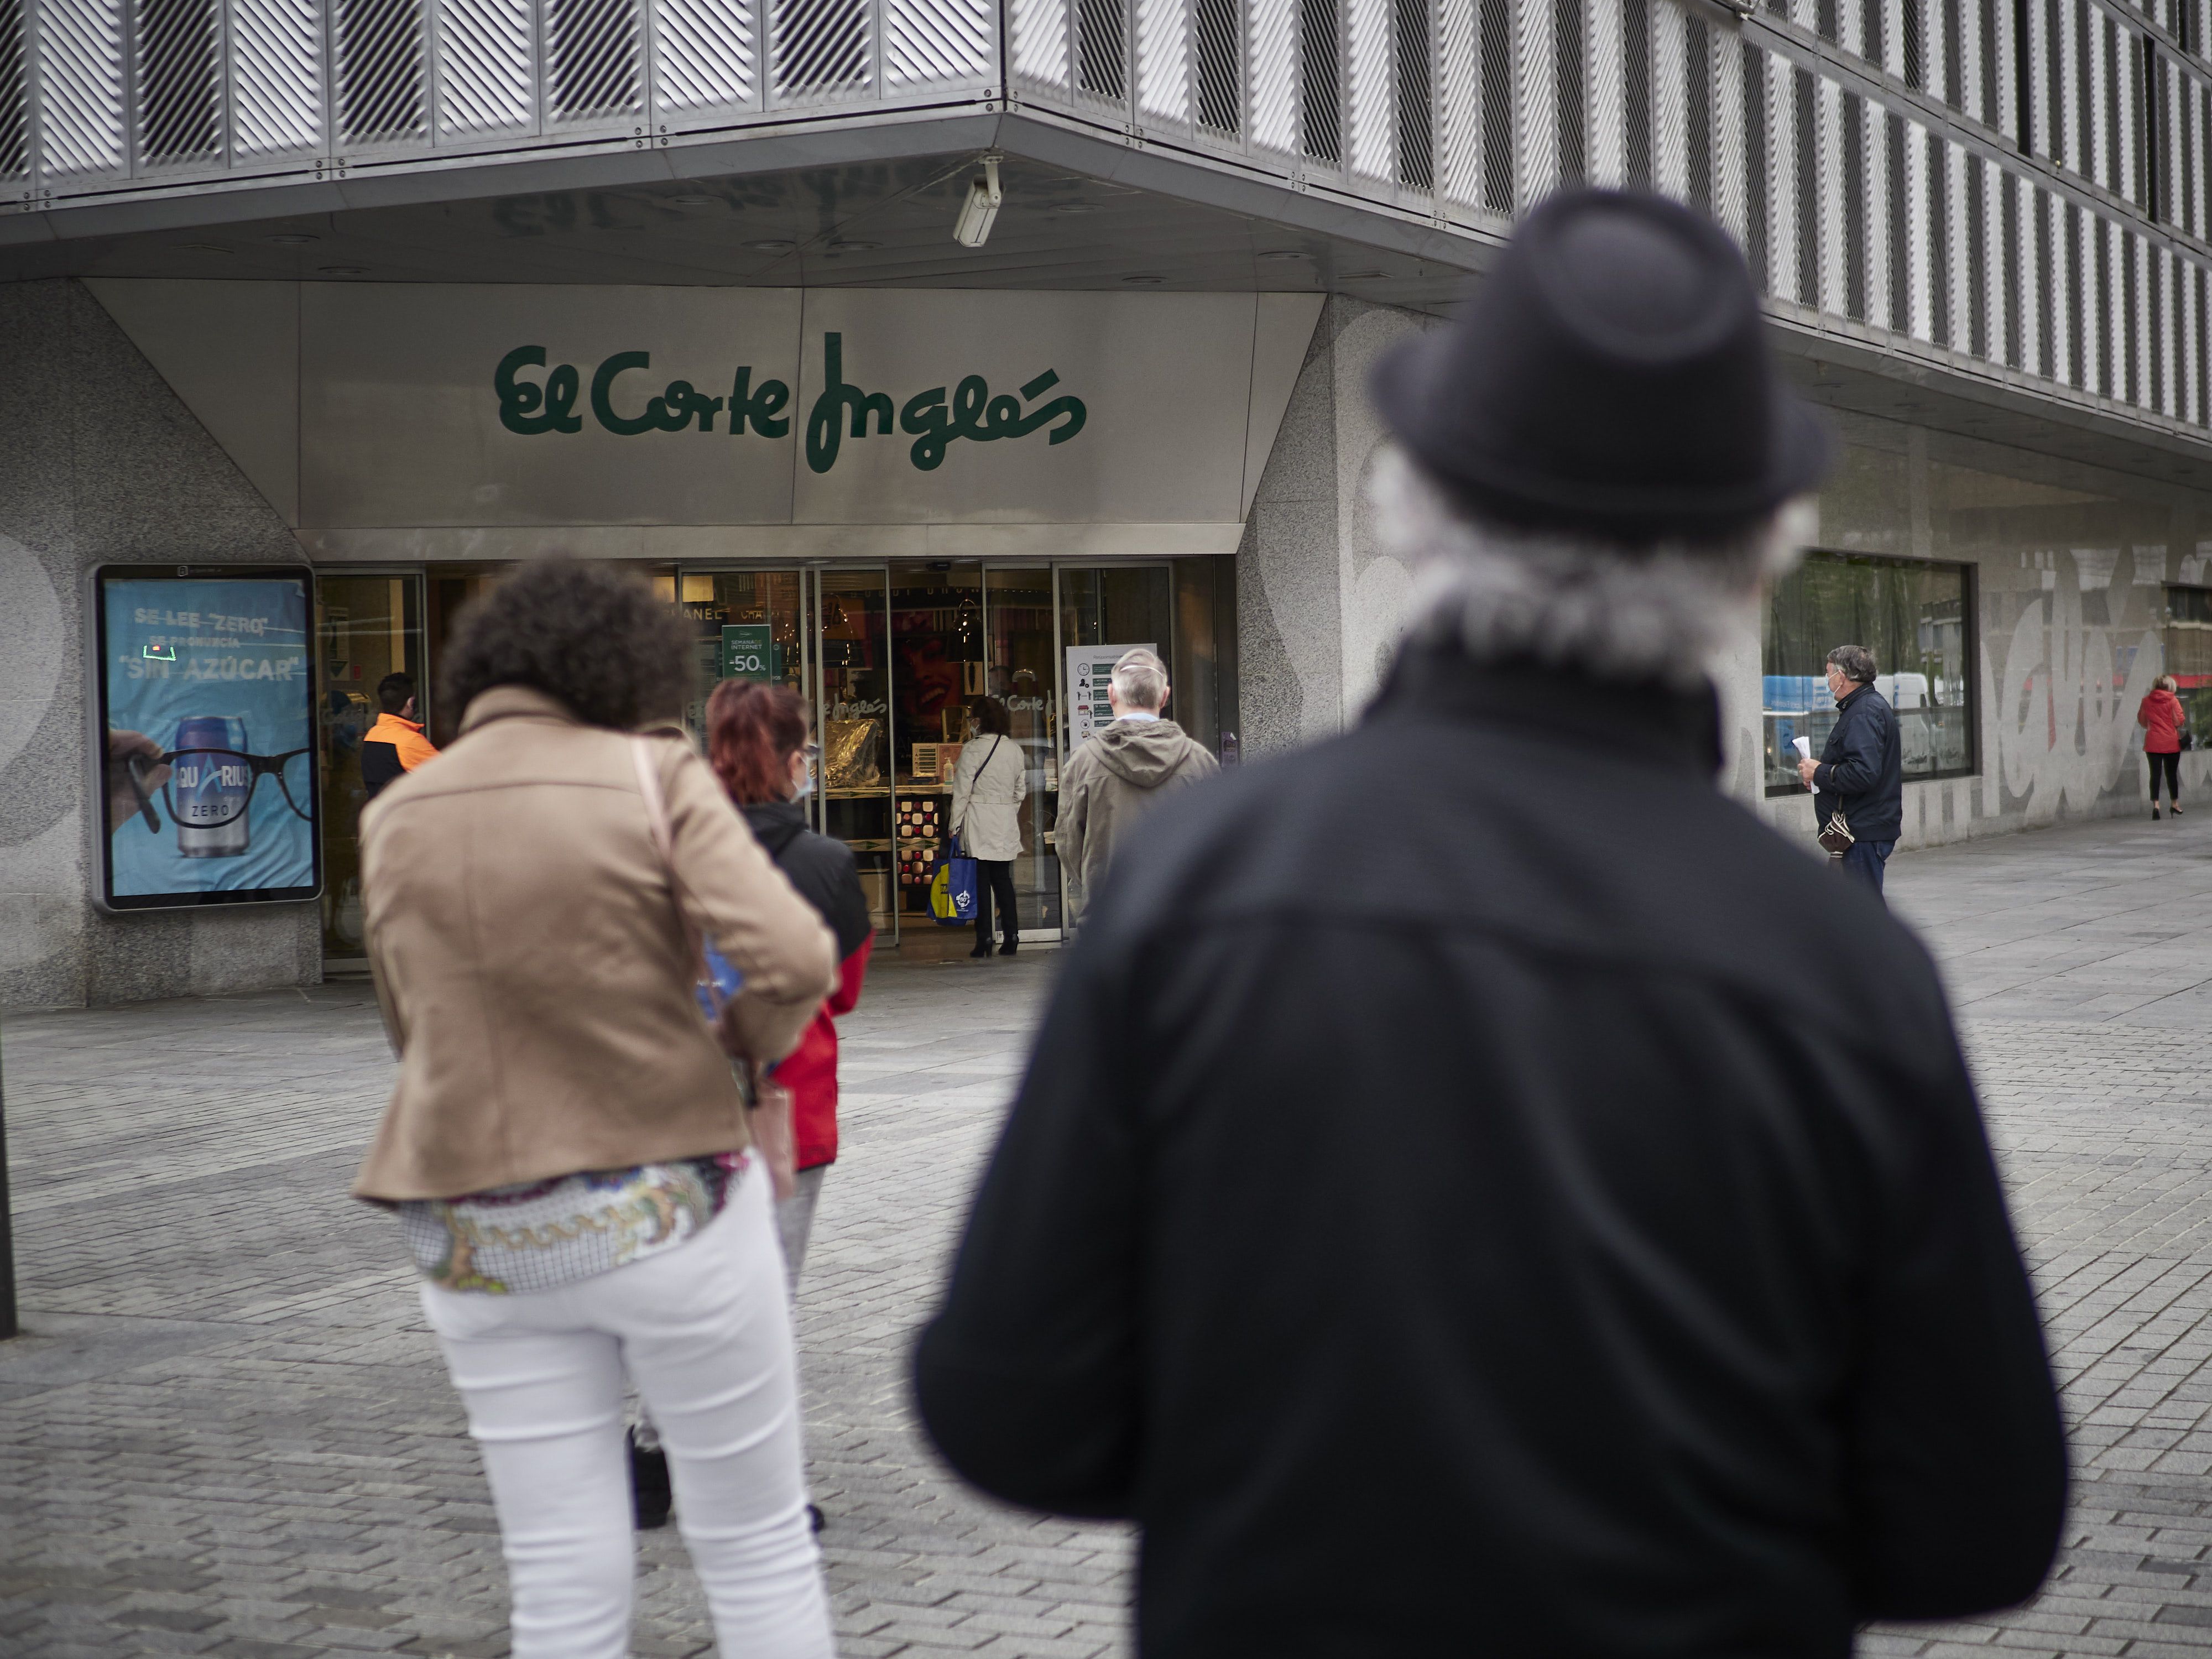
x: 102, y: 465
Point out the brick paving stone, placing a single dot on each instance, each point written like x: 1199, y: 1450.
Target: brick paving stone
x: 228, y: 1434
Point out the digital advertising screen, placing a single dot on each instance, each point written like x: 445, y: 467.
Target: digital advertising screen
x: 205, y: 740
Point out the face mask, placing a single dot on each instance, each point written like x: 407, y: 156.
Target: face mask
x: 805, y: 785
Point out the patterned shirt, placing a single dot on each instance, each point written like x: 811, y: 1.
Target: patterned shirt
x: 544, y: 1234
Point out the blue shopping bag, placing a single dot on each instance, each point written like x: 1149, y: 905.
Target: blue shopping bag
x: 953, y: 888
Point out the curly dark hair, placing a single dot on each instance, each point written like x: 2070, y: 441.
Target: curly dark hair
x: 594, y: 635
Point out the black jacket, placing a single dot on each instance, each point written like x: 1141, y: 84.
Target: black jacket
x: 1450, y: 1218
x: 820, y: 868
x: 1862, y: 768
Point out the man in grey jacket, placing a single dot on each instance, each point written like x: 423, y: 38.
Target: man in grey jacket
x: 1123, y: 772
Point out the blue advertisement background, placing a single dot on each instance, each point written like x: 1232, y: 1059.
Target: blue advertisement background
x: 241, y: 652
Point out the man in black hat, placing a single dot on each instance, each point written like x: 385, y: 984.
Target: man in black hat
x: 1447, y: 1220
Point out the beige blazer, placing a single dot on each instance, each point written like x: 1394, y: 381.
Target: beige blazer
x: 532, y: 969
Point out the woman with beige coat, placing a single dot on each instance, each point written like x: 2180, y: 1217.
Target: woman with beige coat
x: 566, y: 1149
x: 990, y: 784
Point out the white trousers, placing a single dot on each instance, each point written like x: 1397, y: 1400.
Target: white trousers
x: 705, y: 1332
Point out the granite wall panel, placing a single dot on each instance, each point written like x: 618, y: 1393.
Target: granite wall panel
x: 103, y: 465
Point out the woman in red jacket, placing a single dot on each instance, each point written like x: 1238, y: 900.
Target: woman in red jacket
x: 756, y: 743
x: 2162, y: 719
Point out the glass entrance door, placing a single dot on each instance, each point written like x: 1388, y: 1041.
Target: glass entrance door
x: 853, y: 724
x: 365, y: 627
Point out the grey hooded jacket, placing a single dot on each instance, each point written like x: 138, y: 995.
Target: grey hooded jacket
x: 1113, y: 779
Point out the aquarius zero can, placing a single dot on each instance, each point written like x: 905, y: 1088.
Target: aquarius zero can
x: 211, y: 782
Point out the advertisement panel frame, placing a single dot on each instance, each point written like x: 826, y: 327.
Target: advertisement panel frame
x: 101, y: 862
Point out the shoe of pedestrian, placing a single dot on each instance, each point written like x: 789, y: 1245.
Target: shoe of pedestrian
x: 649, y: 1494
x: 982, y: 950
x: 2175, y: 809
x: 2153, y: 812
x: 1007, y: 949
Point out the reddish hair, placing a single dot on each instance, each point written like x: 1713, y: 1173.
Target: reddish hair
x: 752, y: 732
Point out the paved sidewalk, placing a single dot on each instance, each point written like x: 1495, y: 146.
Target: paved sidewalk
x: 228, y: 1434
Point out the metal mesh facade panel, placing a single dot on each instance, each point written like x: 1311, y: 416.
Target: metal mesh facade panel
x: 1459, y: 133
x: 1636, y: 92
x: 15, y: 103
x: 277, y: 92
x: 1321, y: 84
x: 180, y: 91
x: 1040, y: 31
x: 484, y: 71
x: 1374, y: 117
x: 1217, y: 34
x: 1275, y: 74
x: 1495, y: 27
x: 936, y: 43
x: 81, y: 87
x: 1670, y: 172
x: 820, y: 50
x: 1415, y: 94
x: 380, y: 71
x: 591, y: 69
x: 1536, y: 136
x: 1163, y: 58
x: 1606, y: 149
x: 706, y: 55
x: 1569, y: 47
x: 1102, y: 53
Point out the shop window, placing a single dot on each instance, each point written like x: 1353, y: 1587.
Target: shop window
x: 1916, y: 615
x: 2188, y: 654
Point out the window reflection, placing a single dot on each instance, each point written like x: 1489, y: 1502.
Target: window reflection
x: 1914, y: 615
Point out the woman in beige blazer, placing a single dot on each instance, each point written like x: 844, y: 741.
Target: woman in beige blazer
x: 567, y: 1148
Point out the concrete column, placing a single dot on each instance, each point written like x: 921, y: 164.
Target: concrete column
x: 104, y: 465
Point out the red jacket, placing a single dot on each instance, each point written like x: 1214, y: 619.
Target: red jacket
x: 2161, y: 719
x: 822, y: 871
x: 811, y: 1070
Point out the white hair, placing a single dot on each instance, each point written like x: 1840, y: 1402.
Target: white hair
x: 1571, y: 598
x: 1141, y: 679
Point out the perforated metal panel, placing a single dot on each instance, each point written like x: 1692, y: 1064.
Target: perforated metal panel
x: 592, y: 72
x: 1536, y: 103
x: 80, y: 128
x: 1041, y: 31
x: 379, y: 49
x: 180, y: 91
x: 1670, y: 152
x: 1321, y: 85
x: 1163, y: 57
x: 706, y: 55
x: 1274, y: 48
x: 1607, y: 157
x: 1373, y: 112
x: 15, y: 103
x: 486, y: 80
x: 1415, y: 96
x: 1783, y: 235
x: 1102, y: 49
x: 278, y: 88
x: 947, y: 43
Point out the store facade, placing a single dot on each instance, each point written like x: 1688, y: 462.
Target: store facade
x: 894, y: 504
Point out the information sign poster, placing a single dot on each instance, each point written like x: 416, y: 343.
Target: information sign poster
x: 205, y: 747
x: 1089, y: 669
x: 749, y: 653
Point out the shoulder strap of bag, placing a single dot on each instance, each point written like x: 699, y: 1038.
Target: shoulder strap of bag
x: 981, y: 767
x: 664, y: 842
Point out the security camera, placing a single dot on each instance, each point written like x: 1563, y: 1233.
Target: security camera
x: 973, y: 227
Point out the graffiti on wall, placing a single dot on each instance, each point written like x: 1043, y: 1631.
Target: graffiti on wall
x: 2072, y: 668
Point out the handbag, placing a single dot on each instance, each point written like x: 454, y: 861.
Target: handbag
x: 1836, y: 835
x: 717, y: 980
x: 953, y: 888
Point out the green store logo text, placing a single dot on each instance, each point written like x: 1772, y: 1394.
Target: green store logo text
x: 933, y: 420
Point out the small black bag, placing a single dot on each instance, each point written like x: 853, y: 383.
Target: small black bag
x: 1836, y: 835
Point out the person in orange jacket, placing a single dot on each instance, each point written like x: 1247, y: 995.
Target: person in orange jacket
x: 395, y: 744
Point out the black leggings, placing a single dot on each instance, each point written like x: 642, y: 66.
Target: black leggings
x: 995, y: 877
x: 2173, y: 765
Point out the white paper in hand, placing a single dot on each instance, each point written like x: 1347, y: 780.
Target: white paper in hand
x: 1804, y: 747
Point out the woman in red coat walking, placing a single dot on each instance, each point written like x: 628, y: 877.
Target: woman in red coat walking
x: 2162, y: 719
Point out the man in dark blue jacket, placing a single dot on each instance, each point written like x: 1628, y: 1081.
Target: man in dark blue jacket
x: 1861, y: 772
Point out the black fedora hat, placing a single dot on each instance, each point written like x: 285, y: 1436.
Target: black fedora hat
x: 1611, y: 374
